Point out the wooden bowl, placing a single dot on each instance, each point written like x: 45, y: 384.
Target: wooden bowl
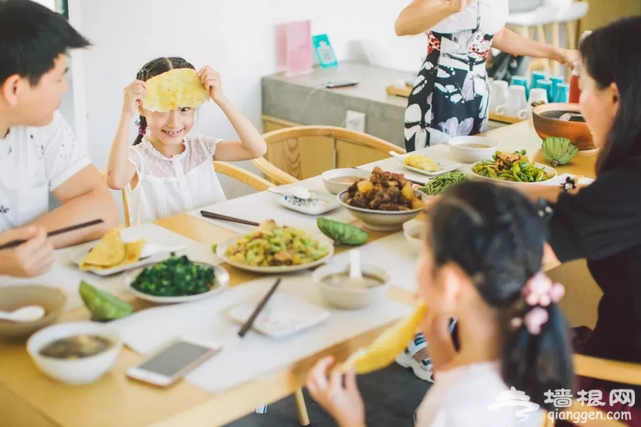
x: 547, y: 125
x: 14, y: 297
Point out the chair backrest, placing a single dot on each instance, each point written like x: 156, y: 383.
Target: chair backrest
x: 305, y: 151
x: 224, y: 168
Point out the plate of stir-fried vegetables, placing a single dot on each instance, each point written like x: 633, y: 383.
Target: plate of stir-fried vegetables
x: 513, y: 168
x: 275, y: 249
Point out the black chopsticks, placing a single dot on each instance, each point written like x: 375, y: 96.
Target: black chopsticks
x: 250, y: 322
x: 15, y: 243
x: 212, y: 215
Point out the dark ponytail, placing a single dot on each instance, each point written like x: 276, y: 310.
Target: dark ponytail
x: 152, y: 69
x: 496, y: 236
x: 608, y: 55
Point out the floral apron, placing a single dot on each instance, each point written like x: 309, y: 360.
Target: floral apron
x: 450, y: 96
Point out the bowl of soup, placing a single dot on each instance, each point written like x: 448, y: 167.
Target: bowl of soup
x: 336, y: 287
x: 338, y: 180
x: 472, y: 149
x: 75, y: 353
x: 563, y: 121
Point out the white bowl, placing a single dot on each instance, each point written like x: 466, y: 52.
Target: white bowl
x: 472, y: 155
x: 549, y: 170
x: 381, y: 220
x: 337, y: 187
x: 351, y: 299
x: 74, y: 371
x: 412, y: 232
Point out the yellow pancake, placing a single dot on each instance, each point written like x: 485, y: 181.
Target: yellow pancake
x: 382, y: 352
x: 175, y: 89
x: 109, y: 251
x: 132, y: 255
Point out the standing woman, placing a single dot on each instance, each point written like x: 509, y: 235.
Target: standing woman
x: 451, y: 93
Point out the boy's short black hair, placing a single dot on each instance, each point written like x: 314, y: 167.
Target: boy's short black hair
x: 31, y: 38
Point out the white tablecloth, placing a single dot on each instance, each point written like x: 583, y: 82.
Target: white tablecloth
x: 263, y: 206
x: 66, y: 275
x: 254, y: 356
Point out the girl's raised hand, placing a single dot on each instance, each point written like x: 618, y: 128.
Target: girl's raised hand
x: 134, y: 94
x: 337, y: 393
x: 211, y: 81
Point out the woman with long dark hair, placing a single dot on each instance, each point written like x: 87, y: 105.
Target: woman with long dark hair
x: 602, y: 222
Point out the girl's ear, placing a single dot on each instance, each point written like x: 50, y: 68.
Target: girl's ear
x: 452, y: 280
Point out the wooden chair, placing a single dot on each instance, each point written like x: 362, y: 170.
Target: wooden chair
x: 259, y: 184
x: 302, y: 152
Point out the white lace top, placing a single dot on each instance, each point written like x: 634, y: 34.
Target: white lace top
x: 475, y: 395
x: 168, y: 186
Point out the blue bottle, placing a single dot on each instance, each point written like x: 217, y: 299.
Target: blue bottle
x: 556, y: 81
x: 521, y: 81
x: 547, y: 85
x: 562, y: 93
x: 536, y: 76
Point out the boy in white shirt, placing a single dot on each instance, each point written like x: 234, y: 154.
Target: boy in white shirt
x: 38, y: 152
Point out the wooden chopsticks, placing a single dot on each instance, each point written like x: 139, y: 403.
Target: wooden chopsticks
x: 15, y: 243
x: 212, y: 215
x: 250, y: 322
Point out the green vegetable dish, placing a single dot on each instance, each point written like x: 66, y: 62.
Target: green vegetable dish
x: 175, y: 277
x: 514, y: 167
x: 442, y: 182
x: 271, y: 246
x: 341, y: 233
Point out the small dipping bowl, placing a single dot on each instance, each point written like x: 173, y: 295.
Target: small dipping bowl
x: 74, y: 371
x: 351, y: 299
x: 15, y: 297
x: 337, y: 187
x: 412, y: 232
x: 464, y: 154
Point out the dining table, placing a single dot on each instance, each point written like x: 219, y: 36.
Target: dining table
x: 28, y: 398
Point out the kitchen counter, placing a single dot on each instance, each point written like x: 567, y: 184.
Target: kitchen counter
x: 301, y: 100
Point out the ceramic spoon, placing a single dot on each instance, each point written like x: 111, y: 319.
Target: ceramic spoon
x: 298, y: 192
x: 355, y: 280
x: 29, y: 313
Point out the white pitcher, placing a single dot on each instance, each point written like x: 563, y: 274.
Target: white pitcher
x: 498, y: 94
x: 515, y: 105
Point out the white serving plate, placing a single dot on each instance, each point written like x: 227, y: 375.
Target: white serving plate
x: 548, y: 170
x: 320, y: 203
x: 221, y: 276
x: 322, y: 239
x: 445, y: 165
x: 284, y: 315
x: 76, y: 258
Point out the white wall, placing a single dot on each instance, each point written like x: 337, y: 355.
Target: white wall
x: 235, y: 37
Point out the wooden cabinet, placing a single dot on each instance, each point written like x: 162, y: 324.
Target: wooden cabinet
x: 603, y: 12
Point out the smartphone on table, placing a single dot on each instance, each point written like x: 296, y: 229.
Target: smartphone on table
x: 339, y: 83
x: 172, y: 362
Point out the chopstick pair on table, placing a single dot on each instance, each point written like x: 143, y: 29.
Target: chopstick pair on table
x: 261, y: 305
x: 212, y: 215
x: 15, y: 243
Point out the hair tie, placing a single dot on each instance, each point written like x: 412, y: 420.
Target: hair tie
x: 538, y: 292
x: 141, y: 130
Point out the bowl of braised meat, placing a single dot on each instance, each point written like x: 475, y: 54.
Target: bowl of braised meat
x: 384, y: 201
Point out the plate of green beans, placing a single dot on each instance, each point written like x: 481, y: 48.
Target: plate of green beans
x: 512, y: 168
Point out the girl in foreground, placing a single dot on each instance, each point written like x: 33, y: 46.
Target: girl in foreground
x: 168, y: 171
x: 481, y: 264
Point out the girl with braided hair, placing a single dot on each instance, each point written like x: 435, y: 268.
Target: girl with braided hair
x: 167, y: 171
x: 480, y: 263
